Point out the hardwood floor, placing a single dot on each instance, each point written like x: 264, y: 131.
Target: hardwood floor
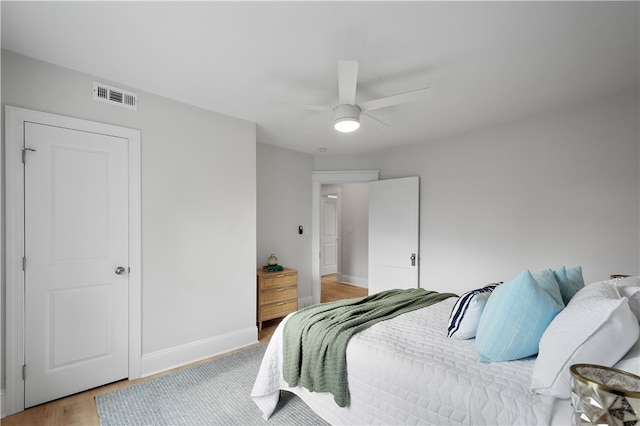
x: 80, y: 409
x: 332, y: 290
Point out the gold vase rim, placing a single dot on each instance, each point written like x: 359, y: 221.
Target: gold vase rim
x: 617, y: 391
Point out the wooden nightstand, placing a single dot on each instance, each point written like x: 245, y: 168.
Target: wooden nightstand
x: 277, y: 294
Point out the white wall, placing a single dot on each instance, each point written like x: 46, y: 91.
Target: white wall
x: 198, y: 210
x: 557, y: 189
x: 354, y: 239
x: 284, y: 203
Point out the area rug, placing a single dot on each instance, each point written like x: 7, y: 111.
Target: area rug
x: 213, y: 393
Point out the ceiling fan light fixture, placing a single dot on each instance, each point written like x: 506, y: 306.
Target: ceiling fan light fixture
x: 347, y: 118
x: 346, y: 125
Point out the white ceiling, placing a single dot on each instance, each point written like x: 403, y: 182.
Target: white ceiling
x: 487, y: 62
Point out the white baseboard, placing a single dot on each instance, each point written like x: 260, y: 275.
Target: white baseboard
x: 304, y: 302
x: 167, y: 359
x: 358, y: 282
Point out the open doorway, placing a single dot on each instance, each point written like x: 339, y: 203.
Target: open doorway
x: 343, y: 241
x: 351, y: 248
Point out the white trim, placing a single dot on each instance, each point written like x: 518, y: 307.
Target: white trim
x: 324, y: 177
x: 356, y: 281
x: 178, y: 356
x: 303, y: 302
x: 3, y: 404
x: 344, y: 176
x: 14, y: 183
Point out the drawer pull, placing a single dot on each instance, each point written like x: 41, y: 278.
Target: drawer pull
x: 280, y: 276
x: 280, y: 289
x: 281, y: 303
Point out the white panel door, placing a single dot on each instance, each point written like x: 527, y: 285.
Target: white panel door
x: 394, y: 234
x: 328, y: 236
x: 76, y: 235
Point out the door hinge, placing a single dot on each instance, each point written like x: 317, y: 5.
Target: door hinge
x: 24, y: 372
x: 24, y: 263
x: 24, y: 154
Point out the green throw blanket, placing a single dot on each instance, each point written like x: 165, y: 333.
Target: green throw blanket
x: 316, y: 337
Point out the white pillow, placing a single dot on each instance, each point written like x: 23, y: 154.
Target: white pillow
x: 630, y: 288
x: 633, y: 294
x: 598, y: 291
x: 631, y: 361
x: 465, y: 315
x: 593, y: 330
x: 633, y: 281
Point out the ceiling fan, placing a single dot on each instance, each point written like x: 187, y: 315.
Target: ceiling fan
x: 347, y: 113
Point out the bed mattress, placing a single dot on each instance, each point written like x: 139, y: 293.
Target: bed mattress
x: 406, y: 371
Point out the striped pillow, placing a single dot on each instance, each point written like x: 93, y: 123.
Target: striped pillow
x: 465, y: 315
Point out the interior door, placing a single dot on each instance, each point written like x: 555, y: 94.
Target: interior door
x: 394, y: 219
x: 76, y: 261
x: 328, y: 235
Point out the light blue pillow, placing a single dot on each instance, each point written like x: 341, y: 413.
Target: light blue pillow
x: 575, y: 277
x: 547, y: 280
x: 514, y: 319
x: 570, y: 281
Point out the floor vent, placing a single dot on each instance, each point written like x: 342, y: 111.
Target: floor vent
x: 115, y: 96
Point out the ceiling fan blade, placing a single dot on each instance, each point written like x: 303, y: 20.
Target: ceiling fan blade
x: 379, y: 121
x: 347, y: 81
x: 301, y: 106
x: 400, y: 98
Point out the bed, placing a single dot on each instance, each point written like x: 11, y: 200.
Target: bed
x: 407, y: 370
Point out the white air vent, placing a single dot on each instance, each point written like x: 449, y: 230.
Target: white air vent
x: 114, y: 96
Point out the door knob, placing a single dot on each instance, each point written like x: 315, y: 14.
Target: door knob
x: 413, y: 259
x: 119, y: 270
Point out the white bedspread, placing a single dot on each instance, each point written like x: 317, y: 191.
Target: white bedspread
x: 406, y: 371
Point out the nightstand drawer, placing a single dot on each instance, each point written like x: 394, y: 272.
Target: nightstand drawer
x: 278, y: 280
x: 277, y: 310
x: 279, y: 294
